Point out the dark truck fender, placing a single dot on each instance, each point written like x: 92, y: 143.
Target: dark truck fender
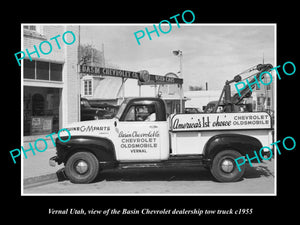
x: 102, y: 148
x: 244, y: 144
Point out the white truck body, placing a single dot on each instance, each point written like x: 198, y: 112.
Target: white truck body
x: 190, y: 132
x: 184, y: 134
x: 211, y: 139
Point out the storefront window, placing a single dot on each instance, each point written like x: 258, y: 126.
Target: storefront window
x: 29, y: 69
x: 39, y: 70
x: 42, y: 70
x: 55, y: 71
x: 41, y: 104
x: 41, y: 110
x: 38, y: 104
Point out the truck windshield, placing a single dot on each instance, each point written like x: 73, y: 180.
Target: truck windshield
x: 121, y: 109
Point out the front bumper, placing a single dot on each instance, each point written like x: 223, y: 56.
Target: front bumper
x: 53, y: 161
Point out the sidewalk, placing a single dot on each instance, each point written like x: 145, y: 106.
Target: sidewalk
x: 38, y: 164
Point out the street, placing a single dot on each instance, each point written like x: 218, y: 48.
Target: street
x: 180, y: 181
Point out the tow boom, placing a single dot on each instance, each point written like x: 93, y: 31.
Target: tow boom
x: 236, y: 98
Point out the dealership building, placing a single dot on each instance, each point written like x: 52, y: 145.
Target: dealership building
x: 51, y: 84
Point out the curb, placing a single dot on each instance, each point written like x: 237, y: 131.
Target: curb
x: 44, y: 179
x: 40, y: 180
x: 33, y: 138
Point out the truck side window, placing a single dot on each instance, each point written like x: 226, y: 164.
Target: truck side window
x: 141, y: 113
x: 130, y: 116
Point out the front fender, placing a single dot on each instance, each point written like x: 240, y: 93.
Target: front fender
x: 102, y: 148
x: 244, y: 144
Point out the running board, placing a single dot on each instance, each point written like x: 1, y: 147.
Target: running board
x: 173, y: 161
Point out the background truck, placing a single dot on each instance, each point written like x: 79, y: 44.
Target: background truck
x: 131, y: 140
x: 234, y: 103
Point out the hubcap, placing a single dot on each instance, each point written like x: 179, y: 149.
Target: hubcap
x: 227, y: 166
x: 81, y: 167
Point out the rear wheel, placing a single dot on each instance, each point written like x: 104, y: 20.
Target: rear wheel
x: 82, y: 167
x: 224, y: 168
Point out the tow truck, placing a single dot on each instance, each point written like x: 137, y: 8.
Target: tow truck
x: 212, y: 141
x: 142, y: 136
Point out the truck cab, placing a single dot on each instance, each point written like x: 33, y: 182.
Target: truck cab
x: 141, y: 136
x: 141, y: 126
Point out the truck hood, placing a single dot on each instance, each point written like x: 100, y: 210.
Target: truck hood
x: 91, y: 127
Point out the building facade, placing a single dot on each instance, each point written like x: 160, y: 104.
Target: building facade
x: 263, y: 96
x: 51, y: 84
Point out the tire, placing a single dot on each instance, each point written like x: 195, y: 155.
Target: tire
x: 82, y: 167
x: 224, y: 168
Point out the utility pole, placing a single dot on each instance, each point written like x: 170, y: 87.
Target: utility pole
x: 179, y: 54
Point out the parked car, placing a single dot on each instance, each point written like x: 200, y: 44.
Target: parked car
x: 90, y: 113
x: 111, y: 109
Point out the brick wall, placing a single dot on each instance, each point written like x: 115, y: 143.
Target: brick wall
x: 46, y: 32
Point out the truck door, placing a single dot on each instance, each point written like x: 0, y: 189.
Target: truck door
x: 139, y: 136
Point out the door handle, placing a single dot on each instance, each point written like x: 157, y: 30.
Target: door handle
x: 153, y: 126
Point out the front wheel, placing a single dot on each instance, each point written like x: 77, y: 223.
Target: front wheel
x: 224, y: 168
x: 82, y: 167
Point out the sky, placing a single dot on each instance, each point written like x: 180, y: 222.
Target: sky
x: 212, y: 53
